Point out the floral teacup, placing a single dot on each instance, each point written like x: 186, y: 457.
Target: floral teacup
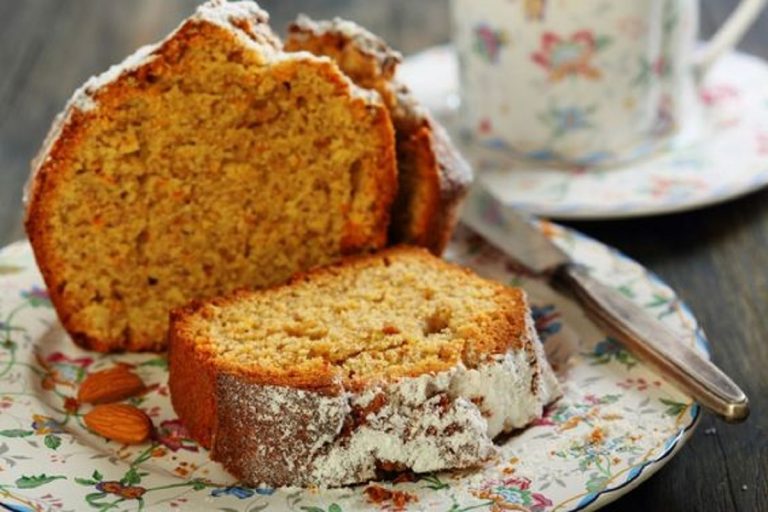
x: 583, y: 82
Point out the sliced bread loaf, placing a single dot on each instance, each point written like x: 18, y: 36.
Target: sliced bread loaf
x: 383, y: 362
x: 207, y: 162
x: 433, y: 177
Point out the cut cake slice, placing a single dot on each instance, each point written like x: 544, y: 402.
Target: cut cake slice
x: 208, y: 162
x: 433, y: 176
x: 382, y: 362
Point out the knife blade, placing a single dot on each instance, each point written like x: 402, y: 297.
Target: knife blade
x: 520, y: 237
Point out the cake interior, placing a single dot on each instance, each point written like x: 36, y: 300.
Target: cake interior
x: 206, y: 171
x: 418, y: 191
x: 403, y: 313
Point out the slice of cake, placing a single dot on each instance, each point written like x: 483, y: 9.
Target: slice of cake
x: 205, y: 163
x: 433, y: 176
x: 383, y: 362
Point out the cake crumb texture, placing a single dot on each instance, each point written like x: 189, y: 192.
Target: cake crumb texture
x: 433, y: 176
x: 209, y: 162
x: 385, y: 362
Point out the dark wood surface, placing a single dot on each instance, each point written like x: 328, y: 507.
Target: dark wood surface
x: 717, y: 258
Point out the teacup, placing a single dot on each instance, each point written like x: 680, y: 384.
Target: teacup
x: 583, y: 82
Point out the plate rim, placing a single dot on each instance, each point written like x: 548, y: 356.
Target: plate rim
x: 673, y: 443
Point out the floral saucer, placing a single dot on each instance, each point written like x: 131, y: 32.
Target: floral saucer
x: 617, y: 423
x: 726, y: 158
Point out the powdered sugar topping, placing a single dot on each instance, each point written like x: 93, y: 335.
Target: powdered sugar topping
x: 424, y: 423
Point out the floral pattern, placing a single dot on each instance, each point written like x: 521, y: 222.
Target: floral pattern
x: 535, y: 9
x: 547, y: 319
x: 564, y: 120
x: 570, y: 56
x: 513, y: 491
x: 173, y: 435
x: 726, y: 159
x: 634, y: 65
x: 609, y: 349
x: 489, y: 42
x: 617, y: 421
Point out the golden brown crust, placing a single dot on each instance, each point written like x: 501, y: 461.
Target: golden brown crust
x: 454, y: 177
x: 433, y: 176
x: 194, y: 366
x: 192, y: 385
x: 363, y: 57
x: 67, y: 134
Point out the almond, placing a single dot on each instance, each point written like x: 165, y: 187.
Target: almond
x: 110, y: 385
x: 119, y: 422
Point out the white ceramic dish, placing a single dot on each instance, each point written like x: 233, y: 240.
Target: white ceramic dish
x: 724, y: 157
x: 617, y: 424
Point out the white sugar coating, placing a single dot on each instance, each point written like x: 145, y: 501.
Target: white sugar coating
x: 222, y: 12
x: 508, y: 402
x: 365, y: 40
x: 330, y: 411
x: 505, y: 409
x: 425, y: 423
x: 384, y: 439
x: 494, y: 398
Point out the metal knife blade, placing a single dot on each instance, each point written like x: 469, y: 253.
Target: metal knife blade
x: 513, y: 232
x: 520, y: 237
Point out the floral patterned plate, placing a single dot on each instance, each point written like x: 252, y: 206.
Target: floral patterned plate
x: 722, y: 157
x: 617, y: 423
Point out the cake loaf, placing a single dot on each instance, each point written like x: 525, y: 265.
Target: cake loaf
x: 433, y: 177
x: 208, y: 162
x: 378, y: 363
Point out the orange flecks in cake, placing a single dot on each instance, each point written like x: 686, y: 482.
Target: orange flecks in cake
x: 390, y: 329
x: 215, y: 183
x: 361, y: 321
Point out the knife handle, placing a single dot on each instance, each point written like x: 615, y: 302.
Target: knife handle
x: 656, y: 344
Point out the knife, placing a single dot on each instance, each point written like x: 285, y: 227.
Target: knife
x: 519, y: 236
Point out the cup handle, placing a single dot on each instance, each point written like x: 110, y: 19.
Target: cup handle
x: 728, y: 36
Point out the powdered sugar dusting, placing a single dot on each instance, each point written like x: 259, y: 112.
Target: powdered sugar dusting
x: 271, y: 433
x: 222, y: 12
x: 363, y: 40
x: 421, y: 427
x: 285, y: 436
x: 512, y: 392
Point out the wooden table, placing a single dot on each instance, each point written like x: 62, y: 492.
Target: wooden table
x: 717, y: 259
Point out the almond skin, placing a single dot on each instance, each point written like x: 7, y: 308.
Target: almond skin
x: 119, y: 422
x: 111, y: 385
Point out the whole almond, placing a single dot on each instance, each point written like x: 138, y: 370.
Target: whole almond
x: 119, y: 422
x: 110, y: 385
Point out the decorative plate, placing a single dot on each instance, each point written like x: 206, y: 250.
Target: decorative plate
x: 726, y: 158
x: 616, y: 425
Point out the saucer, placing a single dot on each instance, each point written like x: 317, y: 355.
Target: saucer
x: 727, y: 159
